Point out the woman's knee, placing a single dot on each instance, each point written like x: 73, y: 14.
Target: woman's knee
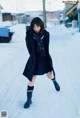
x: 50, y: 75
x: 31, y: 83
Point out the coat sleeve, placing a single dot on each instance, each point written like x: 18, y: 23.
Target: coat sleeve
x: 50, y: 59
x: 48, y: 40
x: 28, y: 44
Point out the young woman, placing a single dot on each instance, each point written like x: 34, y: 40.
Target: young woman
x: 40, y: 61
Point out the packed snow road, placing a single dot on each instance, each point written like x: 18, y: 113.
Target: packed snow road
x: 47, y: 103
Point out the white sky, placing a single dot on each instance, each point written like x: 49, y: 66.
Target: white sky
x: 24, y: 5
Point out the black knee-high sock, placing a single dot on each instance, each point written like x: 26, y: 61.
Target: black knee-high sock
x: 30, y: 88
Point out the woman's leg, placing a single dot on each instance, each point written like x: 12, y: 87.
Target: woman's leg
x: 30, y: 89
x: 51, y: 75
x: 31, y: 83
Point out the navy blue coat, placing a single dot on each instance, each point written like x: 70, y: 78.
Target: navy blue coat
x: 31, y: 46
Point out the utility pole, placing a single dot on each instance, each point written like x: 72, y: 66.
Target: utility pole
x: 64, y: 12
x: 44, y: 13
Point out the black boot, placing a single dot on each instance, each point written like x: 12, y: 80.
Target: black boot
x: 29, y: 96
x: 57, y: 86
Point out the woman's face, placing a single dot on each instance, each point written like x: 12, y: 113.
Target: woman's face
x: 36, y: 28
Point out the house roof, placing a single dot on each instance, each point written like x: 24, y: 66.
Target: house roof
x: 72, y: 9
x: 70, y: 1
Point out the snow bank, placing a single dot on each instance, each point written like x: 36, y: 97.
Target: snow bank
x: 5, y: 24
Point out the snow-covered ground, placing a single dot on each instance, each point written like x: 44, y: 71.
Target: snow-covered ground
x: 47, y: 103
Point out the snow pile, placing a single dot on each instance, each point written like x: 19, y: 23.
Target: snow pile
x: 5, y: 24
x: 47, y: 103
x: 19, y: 33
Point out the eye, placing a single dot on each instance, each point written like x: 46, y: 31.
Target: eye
x: 38, y: 26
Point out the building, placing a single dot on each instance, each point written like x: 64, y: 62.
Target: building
x: 0, y: 13
x: 31, y: 14
x: 70, y: 11
x: 8, y: 17
x: 50, y: 16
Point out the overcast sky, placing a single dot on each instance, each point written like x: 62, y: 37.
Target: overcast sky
x: 24, y: 5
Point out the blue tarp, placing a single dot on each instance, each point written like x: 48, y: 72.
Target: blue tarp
x: 4, y: 32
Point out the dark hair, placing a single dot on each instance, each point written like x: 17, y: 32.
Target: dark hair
x: 37, y: 21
